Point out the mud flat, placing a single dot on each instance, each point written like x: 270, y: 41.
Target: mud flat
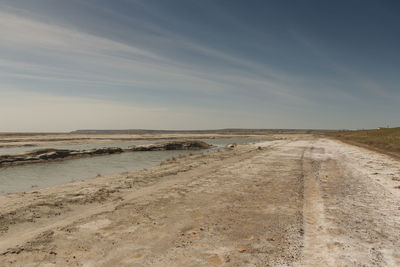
x: 33, y: 140
x: 299, y: 201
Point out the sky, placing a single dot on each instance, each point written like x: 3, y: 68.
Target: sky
x: 189, y: 64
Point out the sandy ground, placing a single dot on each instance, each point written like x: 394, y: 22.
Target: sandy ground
x: 303, y: 201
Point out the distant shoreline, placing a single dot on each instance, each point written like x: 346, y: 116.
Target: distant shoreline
x: 221, y: 131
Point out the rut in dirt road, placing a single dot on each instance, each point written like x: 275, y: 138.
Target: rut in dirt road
x: 351, y: 217
x: 315, y: 250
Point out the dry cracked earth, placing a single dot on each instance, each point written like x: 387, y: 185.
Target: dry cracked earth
x: 300, y: 201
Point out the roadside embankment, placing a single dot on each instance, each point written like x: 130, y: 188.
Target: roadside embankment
x: 384, y: 140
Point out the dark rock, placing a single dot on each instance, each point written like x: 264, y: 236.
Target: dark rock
x: 107, y: 150
x: 173, y: 145
x: 54, y: 154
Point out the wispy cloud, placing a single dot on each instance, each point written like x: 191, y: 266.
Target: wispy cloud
x: 68, y: 55
x: 25, y: 33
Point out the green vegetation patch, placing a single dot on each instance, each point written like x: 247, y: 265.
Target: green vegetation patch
x: 387, y: 139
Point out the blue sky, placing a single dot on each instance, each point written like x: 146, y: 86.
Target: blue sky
x: 185, y: 64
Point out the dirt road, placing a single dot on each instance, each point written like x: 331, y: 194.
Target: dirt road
x: 302, y: 201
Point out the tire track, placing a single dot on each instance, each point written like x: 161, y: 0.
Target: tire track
x: 315, y: 252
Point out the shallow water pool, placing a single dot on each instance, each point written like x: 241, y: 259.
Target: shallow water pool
x: 41, y: 175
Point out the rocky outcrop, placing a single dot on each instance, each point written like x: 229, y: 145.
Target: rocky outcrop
x: 43, y: 155
x: 173, y: 145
